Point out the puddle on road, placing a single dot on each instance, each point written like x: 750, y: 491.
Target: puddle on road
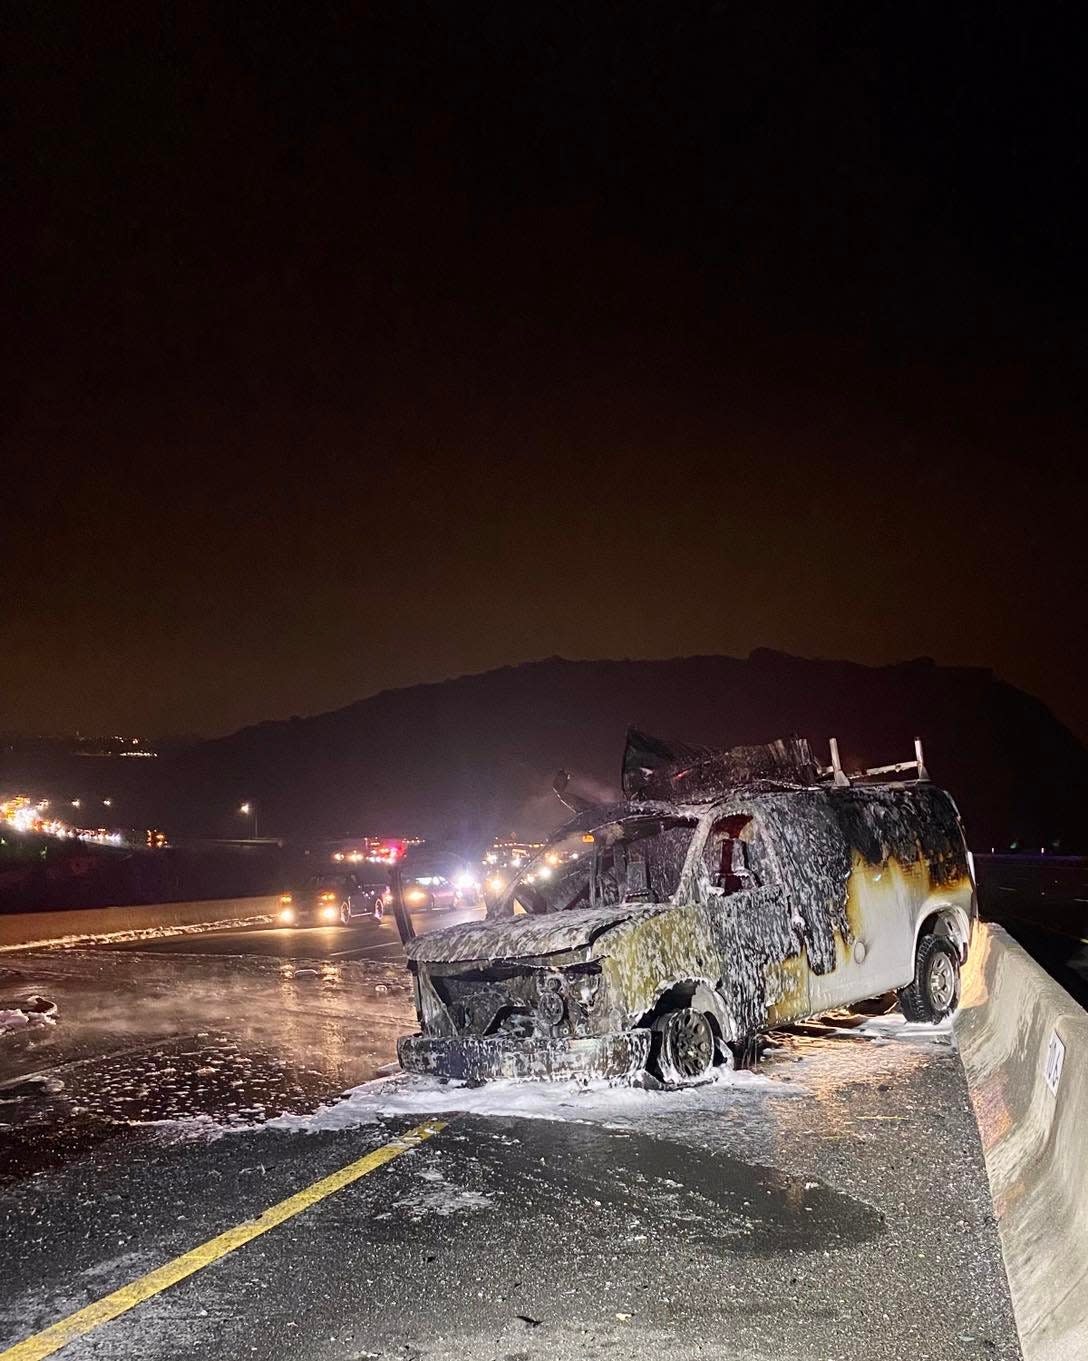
x: 629, y: 1188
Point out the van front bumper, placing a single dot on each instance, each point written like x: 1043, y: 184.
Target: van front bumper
x: 471, y: 1059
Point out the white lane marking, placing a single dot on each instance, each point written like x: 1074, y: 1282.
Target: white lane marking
x: 365, y: 949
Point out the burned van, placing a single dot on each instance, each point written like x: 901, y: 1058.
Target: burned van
x: 728, y: 893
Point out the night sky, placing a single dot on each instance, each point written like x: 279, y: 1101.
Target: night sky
x: 360, y: 345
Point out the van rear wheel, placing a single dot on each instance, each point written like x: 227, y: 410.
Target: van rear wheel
x: 934, y: 992
x: 683, y: 1047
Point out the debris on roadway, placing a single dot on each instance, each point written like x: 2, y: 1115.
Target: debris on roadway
x: 26, y: 1014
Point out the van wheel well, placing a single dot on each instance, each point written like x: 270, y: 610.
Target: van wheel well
x: 699, y: 996
x: 672, y: 999
x: 946, y: 925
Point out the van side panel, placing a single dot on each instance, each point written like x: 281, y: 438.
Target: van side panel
x: 865, y: 866
x: 878, y: 954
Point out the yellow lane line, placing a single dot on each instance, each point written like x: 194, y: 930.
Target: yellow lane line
x: 58, y: 1335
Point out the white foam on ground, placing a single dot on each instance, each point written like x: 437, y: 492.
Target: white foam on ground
x: 14, y: 1019
x: 896, y: 1027
x: 440, y: 1198
x: 36, y: 1012
x: 203, y: 1127
x: 615, y: 1104
x: 407, y: 1094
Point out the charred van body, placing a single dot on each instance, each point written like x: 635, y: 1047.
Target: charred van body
x: 729, y: 893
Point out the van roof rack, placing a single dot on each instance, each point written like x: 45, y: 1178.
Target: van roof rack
x: 840, y: 777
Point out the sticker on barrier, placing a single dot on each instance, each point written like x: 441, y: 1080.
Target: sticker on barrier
x: 1055, y: 1057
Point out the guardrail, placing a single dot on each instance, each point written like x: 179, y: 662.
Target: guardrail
x: 1024, y: 1045
x: 23, y: 930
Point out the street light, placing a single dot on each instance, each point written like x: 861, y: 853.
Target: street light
x: 107, y: 803
x: 249, y: 809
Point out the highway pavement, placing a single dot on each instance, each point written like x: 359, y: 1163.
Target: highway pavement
x: 154, y: 1201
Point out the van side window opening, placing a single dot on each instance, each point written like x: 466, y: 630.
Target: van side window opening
x: 728, y: 856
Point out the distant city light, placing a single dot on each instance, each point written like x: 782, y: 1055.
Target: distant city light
x: 23, y: 814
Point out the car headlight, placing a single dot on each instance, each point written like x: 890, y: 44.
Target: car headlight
x: 286, y: 899
x: 330, y: 914
x: 287, y: 915
x: 415, y: 895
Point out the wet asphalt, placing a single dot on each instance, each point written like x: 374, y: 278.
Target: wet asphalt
x: 839, y: 1211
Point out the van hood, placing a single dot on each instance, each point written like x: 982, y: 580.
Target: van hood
x: 523, y: 937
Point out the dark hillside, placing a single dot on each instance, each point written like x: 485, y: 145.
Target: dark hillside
x: 468, y: 757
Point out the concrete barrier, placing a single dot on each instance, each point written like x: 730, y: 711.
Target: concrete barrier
x: 21, y: 930
x: 1024, y: 1045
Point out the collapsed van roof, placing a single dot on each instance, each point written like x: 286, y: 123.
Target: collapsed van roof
x: 653, y: 769
x: 678, y: 773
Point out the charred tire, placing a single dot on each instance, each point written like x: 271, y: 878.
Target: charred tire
x: 934, y: 992
x: 683, y: 1050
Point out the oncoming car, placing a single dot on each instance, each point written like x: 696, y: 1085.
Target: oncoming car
x: 435, y: 880
x: 429, y: 892
x: 668, y: 932
x: 333, y: 899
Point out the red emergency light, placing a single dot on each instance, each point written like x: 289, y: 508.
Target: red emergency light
x: 390, y: 851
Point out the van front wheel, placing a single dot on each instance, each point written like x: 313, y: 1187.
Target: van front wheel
x: 683, y: 1047
x: 934, y: 992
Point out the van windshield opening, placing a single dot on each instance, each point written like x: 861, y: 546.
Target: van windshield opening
x: 633, y: 859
